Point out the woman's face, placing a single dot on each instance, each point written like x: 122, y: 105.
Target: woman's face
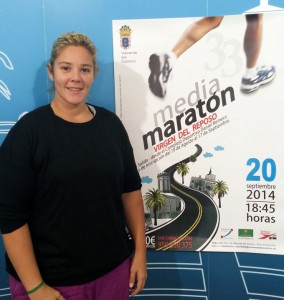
x: 73, y: 75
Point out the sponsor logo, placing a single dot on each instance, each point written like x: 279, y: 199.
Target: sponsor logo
x: 226, y: 233
x: 267, y: 235
x: 245, y: 233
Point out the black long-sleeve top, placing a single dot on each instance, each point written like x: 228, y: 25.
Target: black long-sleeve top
x: 65, y: 180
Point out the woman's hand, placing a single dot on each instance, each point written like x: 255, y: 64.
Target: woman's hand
x: 46, y: 293
x: 134, y: 214
x: 138, y: 274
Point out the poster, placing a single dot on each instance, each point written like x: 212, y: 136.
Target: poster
x: 208, y: 145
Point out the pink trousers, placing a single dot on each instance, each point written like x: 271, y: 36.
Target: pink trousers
x: 112, y: 286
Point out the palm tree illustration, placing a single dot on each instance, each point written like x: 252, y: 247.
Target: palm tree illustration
x: 220, y: 188
x: 182, y: 169
x: 155, y: 199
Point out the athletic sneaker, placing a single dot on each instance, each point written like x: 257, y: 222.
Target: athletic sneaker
x: 160, y: 71
x: 264, y: 75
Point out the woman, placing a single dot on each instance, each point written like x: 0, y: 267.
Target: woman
x: 68, y: 186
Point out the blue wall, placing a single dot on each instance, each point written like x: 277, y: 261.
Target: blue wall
x: 27, y: 30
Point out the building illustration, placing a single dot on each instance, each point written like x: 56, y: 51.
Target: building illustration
x: 203, y: 184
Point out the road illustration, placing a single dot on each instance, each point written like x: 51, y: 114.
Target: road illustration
x: 197, y: 224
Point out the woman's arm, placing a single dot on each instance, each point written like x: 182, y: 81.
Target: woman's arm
x: 19, y: 248
x: 134, y: 214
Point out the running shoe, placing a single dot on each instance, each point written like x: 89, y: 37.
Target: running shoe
x: 264, y: 75
x: 160, y: 71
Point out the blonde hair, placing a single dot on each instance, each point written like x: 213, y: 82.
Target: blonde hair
x: 73, y: 39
